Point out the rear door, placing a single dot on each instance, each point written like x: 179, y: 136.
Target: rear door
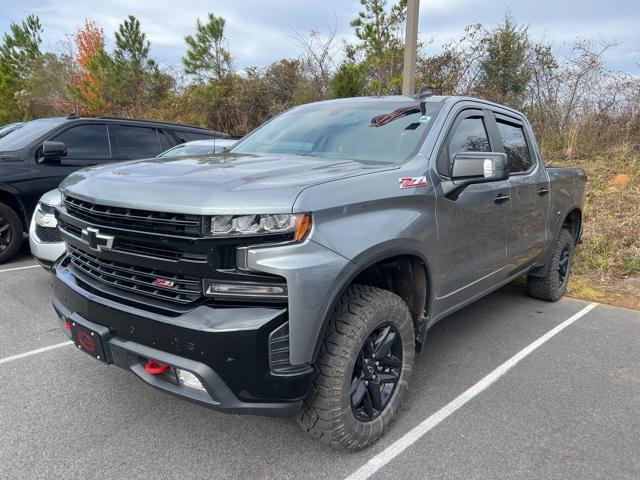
x: 526, y: 232
x: 472, y: 222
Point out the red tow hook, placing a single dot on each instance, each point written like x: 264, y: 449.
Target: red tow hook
x: 154, y: 367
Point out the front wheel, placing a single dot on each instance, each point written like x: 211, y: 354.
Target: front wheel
x: 553, y: 285
x: 10, y: 233
x: 364, y: 365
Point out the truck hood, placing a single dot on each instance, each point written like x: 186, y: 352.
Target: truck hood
x: 224, y: 183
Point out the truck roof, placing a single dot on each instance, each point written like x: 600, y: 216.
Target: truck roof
x: 404, y: 98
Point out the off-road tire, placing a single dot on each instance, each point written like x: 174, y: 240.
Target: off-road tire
x: 327, y: 414
x: 10, y: 225
x: 551, y: 288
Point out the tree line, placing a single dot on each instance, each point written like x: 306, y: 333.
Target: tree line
x: 574, y: 100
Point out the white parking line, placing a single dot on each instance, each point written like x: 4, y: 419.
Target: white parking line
x: 34, y: 352
x: 396, y: 448
x: 18, y: 268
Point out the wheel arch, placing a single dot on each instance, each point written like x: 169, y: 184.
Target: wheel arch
x: 12, y: 200
x: 418, y: 295
x: 573, y: 222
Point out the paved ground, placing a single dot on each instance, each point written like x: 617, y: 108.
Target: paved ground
x: 567, y: 410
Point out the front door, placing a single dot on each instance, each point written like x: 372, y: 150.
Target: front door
x: 472, y: 222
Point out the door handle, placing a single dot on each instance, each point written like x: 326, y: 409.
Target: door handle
x: 501, y: 198
x: 542, y: 191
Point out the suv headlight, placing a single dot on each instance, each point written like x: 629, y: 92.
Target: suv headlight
x: 52, y: 198
x: 43, y: 215
x: 298, y: 224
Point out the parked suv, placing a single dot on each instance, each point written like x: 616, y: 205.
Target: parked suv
x: 35, y: 156
x: 299, y: 273
x: 45, y: 240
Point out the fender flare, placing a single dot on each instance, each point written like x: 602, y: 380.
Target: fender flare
x: 542, y: 270
x: 371, y: 256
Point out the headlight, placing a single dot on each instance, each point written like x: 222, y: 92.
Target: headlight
x: 43, y: 215
x: 265, y: 224
x: 52, y: 198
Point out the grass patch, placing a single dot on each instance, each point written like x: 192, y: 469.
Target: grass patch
x: 607, y: 264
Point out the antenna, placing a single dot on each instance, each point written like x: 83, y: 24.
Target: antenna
x: 424, y: 92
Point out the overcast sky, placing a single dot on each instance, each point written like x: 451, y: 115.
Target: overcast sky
x: 260, y: 31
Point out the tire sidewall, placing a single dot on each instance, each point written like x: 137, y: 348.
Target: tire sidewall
x: 565, y: 240
x: 397, y: 314
x: 16, y: 232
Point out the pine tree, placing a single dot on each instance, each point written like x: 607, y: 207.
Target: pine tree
x: 505, y: 70
x: 207, y: 58
x: 20, y: 55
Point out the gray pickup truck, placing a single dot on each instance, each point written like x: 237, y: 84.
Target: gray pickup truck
x: 299, y: 274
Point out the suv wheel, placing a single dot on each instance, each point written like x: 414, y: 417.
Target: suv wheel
x: 364, y: 364
x: 553, y: 285
x: 10, y: 233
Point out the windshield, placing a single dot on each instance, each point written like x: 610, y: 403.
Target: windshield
x: 183, y: 150
x: 26, y: 133
x: 4, y: 129
x: 368, y: 131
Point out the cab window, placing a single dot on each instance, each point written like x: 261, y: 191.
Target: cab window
x: 515, y: 146
x: 469, y: 135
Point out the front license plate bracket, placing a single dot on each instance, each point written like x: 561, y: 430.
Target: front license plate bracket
x: 91, y: 338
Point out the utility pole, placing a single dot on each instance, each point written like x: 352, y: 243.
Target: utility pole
x: 410, y: 48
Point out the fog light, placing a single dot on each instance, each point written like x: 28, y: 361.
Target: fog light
x: 245, y: 289
x: 188, y: 379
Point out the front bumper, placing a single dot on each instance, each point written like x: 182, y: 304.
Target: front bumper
x: 46, y: 253
x: 227, y: 348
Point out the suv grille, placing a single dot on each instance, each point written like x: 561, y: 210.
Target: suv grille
x: 152, y: 283
x: 134, y: 219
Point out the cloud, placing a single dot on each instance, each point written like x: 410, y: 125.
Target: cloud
x: 260, y: 32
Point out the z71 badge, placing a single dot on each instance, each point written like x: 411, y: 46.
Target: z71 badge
x: 413, y: 182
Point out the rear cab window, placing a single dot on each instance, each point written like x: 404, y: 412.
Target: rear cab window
x: 515, y: 145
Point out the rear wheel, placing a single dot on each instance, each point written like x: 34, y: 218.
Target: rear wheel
x: 10, y: 233
x: 364, y: 365
x: 553, y: 285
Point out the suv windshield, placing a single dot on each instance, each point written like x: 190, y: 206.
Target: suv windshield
x: 367, y: 131
x: 189, y: 149
x: 26, y: 133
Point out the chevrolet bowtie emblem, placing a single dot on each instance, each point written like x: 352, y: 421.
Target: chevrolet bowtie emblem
x: 96, y: 240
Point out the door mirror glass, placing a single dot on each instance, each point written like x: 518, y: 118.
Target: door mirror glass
x: 479, y: 167
x: 52, y: 152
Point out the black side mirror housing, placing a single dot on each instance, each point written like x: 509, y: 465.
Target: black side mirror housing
x: 52, y: 152
x: 476, y: 167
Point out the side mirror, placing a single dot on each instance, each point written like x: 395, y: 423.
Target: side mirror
x: 53, y: 151
x: 476, y: 167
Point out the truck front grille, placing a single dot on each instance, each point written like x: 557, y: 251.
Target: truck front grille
x: 134, y: 219
x: 140, y: 247
x: 180, y: 289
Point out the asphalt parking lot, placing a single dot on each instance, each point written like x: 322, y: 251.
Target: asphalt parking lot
x: 568, y: 408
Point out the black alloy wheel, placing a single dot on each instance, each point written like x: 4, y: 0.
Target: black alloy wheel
x: 563, y: 265
x: 376, y: 373
x: 5, y: 234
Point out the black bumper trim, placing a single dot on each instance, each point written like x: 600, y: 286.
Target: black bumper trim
x: 232, y: 364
